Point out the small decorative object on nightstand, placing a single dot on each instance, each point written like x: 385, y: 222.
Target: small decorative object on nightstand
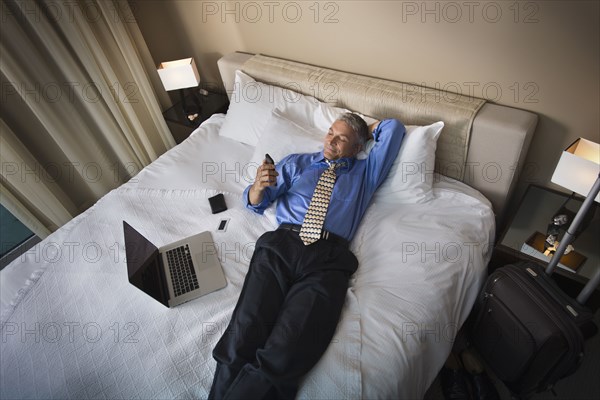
x: 535, y: 246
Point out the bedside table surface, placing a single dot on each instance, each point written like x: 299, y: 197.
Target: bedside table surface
x: 210, y: 104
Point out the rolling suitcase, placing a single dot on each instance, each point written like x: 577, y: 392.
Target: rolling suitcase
x: 529, y: 332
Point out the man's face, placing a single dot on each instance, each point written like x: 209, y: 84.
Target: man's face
x: 340, y: 142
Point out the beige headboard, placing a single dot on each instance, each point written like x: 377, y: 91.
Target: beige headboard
x: 482, y: 144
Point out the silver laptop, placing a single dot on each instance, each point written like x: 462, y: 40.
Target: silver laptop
x: 175, y: 273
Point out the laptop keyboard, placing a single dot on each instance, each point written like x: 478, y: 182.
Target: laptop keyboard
x: 182, y: 270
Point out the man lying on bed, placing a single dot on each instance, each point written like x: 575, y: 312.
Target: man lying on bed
x: 293, y: 293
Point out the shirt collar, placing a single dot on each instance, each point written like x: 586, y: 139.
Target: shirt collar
x: 347, y: 161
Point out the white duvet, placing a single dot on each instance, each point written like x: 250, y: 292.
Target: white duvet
x: 73, y: 327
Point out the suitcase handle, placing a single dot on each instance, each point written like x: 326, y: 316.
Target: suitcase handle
x: 589, y: 288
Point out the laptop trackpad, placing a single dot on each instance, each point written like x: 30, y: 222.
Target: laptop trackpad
x: 211, y: 279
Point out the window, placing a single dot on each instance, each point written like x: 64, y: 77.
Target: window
x: 15, y: 238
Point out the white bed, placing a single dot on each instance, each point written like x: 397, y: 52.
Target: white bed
x: 73, y: 327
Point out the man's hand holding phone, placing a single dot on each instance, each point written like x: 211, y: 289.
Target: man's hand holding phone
x: 266, y: 176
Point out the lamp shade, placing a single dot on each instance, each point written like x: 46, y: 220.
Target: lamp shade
x: 179, y: 74
x: 578, y: 167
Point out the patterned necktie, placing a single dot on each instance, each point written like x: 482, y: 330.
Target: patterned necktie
x: 311, y: 228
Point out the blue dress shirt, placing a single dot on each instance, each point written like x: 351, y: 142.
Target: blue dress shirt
x: 357, y: 181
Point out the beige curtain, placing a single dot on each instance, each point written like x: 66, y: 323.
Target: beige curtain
x: 79, y: 115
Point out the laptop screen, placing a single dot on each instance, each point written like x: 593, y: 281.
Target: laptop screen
x: 143, y: 265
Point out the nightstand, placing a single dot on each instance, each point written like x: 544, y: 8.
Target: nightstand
x: 520, y: 241
x: 181, y: 127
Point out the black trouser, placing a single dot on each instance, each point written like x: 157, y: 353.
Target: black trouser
x: 285, y: 317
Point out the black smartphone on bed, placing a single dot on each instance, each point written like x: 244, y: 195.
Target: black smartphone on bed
x: 217, y: 203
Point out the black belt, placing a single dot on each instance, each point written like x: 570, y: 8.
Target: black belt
x: 324, y: 234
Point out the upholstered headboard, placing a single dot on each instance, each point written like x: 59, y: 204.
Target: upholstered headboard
x: 482, y: 144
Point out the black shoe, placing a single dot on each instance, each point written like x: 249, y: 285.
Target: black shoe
x: 483, y: 388
x: 453, y: 379
x: 454, y: 384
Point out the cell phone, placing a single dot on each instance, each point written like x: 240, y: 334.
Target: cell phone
x: 223, y: 225
x: 217, y: 203
x: 270, y: 160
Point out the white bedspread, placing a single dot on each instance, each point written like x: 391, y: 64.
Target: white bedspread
x: 73, y: 327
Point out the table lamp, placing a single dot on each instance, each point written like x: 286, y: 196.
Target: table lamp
x: 579, y: 171
x: 179, y: 75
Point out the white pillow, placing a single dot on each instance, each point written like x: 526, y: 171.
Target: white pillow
x: 320, y: 117
x: 411, y: 177
x: 251, y: 105
x: 282, y: 136
x: 252, y: 102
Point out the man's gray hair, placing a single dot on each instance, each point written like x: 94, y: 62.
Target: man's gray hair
x: 357, y: 124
